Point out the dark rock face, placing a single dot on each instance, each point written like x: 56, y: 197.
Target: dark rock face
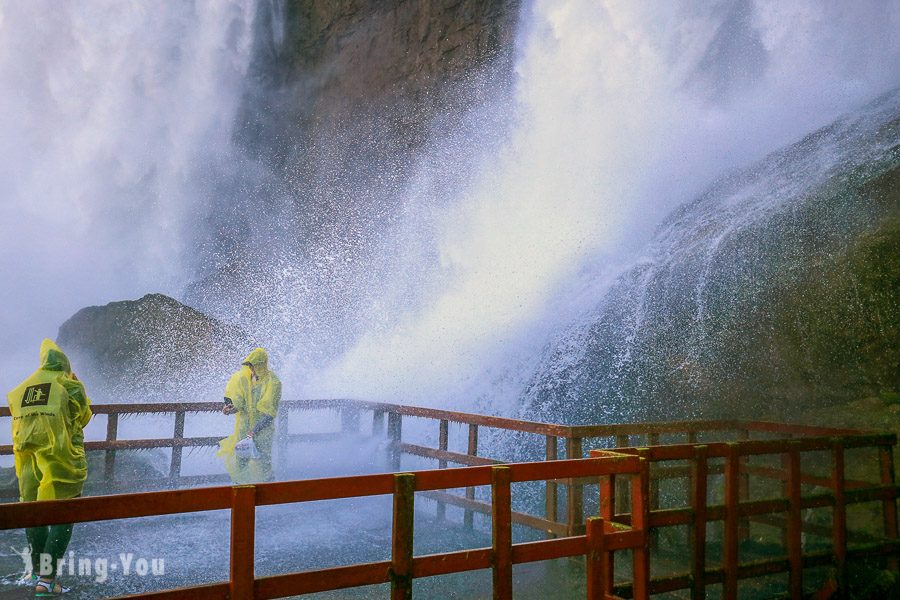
x: 152, y: 350
x: 341, y: 101
x: 772, y: 294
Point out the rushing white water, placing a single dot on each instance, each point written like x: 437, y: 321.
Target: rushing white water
x: 115, y: 118
x: 623, y: 111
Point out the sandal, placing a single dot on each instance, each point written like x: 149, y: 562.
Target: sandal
x: 28, y: 579
x: 48, y: 589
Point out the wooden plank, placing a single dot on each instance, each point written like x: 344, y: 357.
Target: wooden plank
x: 177, y: 434
x: 468, y: 516
x: 608, y: 512
x: 839, y: 514
x: 401, y: 574
x: 551, y: 493
x: 452, y: 562
x: 795, y: 524
x: 563, y: 547
x: 532, y: 521
x: 889, y: 507
x: 575, y: 491
x: 697, y: 528
x: 215, y: 591
x: 120, y: 506
x: 322, y: 580
x: 395, y: 434
x: 446, y: 456
x: 640, y: 510
x: 443, y: 444
x: 329, y: 488
x: 501, y: 530
x: 743, y: 436
x: 598, y: 582
x: 112, y: 430
x: 730, y: 558
x: 243, y: 533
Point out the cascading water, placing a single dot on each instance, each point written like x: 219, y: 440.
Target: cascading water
x: 623, y: 112
x: 116, y: 121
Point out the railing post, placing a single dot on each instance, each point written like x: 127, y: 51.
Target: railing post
x: 697, y: 535
x: 468, y: 516
x: 395, y: 433
x: 551, y: 498
x: 575, y: 495
x: 443, y: 445
x: 178, y: 434
x: 598, y: 580
x: 377, y: 422
x: 622, y: 441
x: 839, y: 518
x: 282, y: 432
x: 730, y: 542
x: 640, y: 520
x: 501, y: 528
x: 744, y: 524
x: 243, y: 531
x: 795, y: 523
x: 402, y: 536
x: 653, y: 440
x: 608, y: 513
x: 112, y: 431
x: 889, y: 505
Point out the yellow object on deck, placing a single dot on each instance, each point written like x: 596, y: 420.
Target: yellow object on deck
x: 49, y: 412
x: 253, y: 398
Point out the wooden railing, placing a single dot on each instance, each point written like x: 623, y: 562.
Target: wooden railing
x: 702, y: 452
x: 739, y: 509
x: 600, y: 538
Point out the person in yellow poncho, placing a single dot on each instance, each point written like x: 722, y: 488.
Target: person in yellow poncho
x: 49, y: 412
x: 252, y: 395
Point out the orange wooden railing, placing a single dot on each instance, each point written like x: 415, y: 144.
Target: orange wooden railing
x: 600, y: 537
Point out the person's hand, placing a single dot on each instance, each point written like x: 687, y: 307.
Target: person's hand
x: 229, y: 409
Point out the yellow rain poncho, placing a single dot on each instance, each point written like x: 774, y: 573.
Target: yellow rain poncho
x: 49, y: 412
x: 254, y: 399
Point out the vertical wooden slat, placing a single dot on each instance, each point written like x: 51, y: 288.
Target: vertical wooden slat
x: 744, y: 523
x: 795, y: 524
x: 112, y: 431
x: 839, y: 516
x: 551, y: 494
x: 640, y: 520
x: 785, y: 493
x: 598, y: 580
x: 622, y: 441
x: 281, y: 432
x: 395, y: 433
x: 575, y: 491
x: 377, y: 422
x: 501, y: 528
x: 730, y: 542
x: 175, y: 466
x: 443, y: 444
x: 697, y: 532
x: 692, y: 436
x: 402, y: 537
x: 889, y: 506
x: 608, y: 513
x: 468, y: 516
x: 243, y: 531
x: 653, y: 440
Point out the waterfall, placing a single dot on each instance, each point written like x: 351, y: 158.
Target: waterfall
x: 116, y: 120
x: 621, y: 113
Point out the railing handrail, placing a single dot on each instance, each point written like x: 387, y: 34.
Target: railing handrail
x: 146, y: 504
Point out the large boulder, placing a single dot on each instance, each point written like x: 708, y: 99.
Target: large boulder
x: 154, y: 349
